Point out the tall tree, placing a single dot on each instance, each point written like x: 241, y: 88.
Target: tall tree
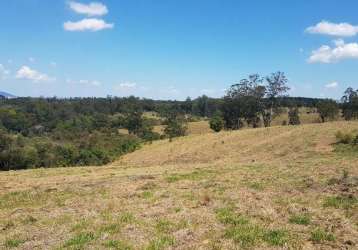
x: 276, y: 87
x: 244, y: 102
x: 350, y: 104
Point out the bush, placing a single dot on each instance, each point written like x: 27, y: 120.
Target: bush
x: 216, y: 123
x: 293, y: 116
x: 346, y: 138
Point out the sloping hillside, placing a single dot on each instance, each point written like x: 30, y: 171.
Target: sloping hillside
x: 263, y: 145
x: 268, y: 188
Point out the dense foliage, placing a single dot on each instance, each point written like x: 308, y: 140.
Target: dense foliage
x: 327, y: 109
x: 350, y: 104
x: 254, y: 100
x: 216, y: 122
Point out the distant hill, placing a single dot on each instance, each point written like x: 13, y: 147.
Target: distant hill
x: 7, y: 95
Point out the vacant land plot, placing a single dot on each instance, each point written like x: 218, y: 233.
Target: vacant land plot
x: 267, y: 188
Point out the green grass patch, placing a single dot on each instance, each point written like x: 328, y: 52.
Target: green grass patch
x: 229, y: 217
x: 162, y: 242
x: 112, y: 228
x: 79, y: 241
x: 347, y: 150
x: 342, y: 202
x: 117, y: 245
x: 319, y: 235
x: 22, y: 198
x: 127, y: 218
x: 146, y: 195
x: 300, y: 219
x: 12, y: 243
x: 247, y: 234
x: 276, y: 237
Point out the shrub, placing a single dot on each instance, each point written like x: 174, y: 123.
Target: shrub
x: 216, y: 123
x: 345, y: 138
x: 293, y: 116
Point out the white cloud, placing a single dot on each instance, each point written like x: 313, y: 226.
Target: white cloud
x: 90, y: 24
x: 91, y: 9
x: 3, y: 72
x: 333, y: 29
x: 88, y: 82
x: 331, y: 85
x: 326, y: 54
x: 126, y: 86
x: 26, y: 73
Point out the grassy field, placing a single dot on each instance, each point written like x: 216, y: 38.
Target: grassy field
x: 307, y: 116
x: 285, y: 187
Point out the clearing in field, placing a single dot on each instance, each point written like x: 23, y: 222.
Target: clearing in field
x: 267, y: 188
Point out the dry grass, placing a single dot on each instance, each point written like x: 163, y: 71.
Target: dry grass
x: 194, y: 128
x: 266, y: 188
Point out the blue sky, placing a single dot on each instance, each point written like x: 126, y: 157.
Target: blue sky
x: 173, y: 49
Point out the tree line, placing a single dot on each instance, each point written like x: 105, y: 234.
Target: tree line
x: 50, y: 132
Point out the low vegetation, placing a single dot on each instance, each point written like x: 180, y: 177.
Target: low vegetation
x: 284, y: 187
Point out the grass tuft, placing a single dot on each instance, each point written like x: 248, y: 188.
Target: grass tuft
x: 80, y: 240
x: 245, y: 235
x: 161, y: 243
x: 117, y: 245
x: 343, y: 202
x: 228, y: 217
x: 300, y: 219
x: 276, y: 237
x: 12, y: 243
x: 319, y: 235
x: 127, y: 218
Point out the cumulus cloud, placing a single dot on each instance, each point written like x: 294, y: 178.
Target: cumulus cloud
x: 87, y: 24
x: 91, y: 9
x: 3, y: 72
x: 333, y: 29
x: 331, y: 85
x: 326, y: 54
x: 26, y: 73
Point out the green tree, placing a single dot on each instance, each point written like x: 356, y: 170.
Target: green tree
x: 276, y: 88
x: 327, y: 109
x: 175, y: 127
x: 350, y: 104
x: 244, y: 102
